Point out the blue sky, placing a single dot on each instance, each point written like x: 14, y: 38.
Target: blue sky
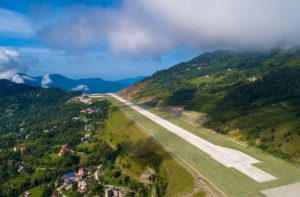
x: 95, y: 61
x: 116, y: 39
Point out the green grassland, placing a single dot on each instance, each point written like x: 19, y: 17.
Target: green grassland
x: 140, y: 151
x: 35, y: 192
x: 268, y: 117
x: 230, y: 181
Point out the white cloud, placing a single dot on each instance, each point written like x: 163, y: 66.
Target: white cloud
x: 152, y: 27
x: 11, y: 63
x: 81, y: 87
x: 17, y: 79
x: 46, y: 81
x: 28, y: 78
x: 14, y: 24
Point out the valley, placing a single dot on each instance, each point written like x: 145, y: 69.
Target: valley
x: 149, y: 98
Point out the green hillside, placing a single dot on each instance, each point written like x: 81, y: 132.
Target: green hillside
x: 44, y: 134
x: 253, y: 96
x: 8, y: 88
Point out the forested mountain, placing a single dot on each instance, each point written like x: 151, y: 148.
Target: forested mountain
x: 8, y: 88
x: 130, y: 81
x: 254, y: 96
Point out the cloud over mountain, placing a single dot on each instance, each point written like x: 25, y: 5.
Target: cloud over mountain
x: 11, y: 63
x: 46, y: 81
x: 81, y: 87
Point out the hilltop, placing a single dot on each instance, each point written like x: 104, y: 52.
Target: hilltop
x: 251, y: 96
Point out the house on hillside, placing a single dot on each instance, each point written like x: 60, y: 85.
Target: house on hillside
x: 86, y: 137
x: 89, y: 127
x: 46, y: 131
x: 68, y: 180
x: 70, y: 176
x: 76, y: 118
x: 82, y: 172
x: 85, y: 99
x: 109, y: 193
x: 115, y: 192
x: 87, y: 111
x: 82, y: 186
x: 20, y: 149
x: 64, y: 149
x: 21, y: 169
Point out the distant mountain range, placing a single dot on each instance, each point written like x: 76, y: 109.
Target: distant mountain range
x: 87, y: 85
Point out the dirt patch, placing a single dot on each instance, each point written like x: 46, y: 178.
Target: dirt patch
x: 147, y: 176
x: 191, y: 117
x: 130, y: 92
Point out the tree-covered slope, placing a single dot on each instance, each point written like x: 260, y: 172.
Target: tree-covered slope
x: 46, y: 134
x: 251, y: 95
x: 8, y: 88
x: 33, y: 127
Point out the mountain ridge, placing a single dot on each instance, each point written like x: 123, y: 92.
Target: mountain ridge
x: 8, y: 88
x: 87, y: 85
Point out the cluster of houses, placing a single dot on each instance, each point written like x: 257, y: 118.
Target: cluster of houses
x: 83, y: 177
x: 80, y: 178
x: 112, y: 191
x: 80, y: 118
x: 87, y: 111
x: 85, y: 99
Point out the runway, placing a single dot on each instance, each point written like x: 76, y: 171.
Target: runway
x: 228, y: 157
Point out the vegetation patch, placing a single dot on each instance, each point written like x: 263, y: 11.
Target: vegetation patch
x: 139, y: 152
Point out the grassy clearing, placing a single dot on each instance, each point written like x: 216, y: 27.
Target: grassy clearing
x: 285, y: 124
x: 177, y: 184
x: 230, y: 181
x: 200, y: 194
x: 35, y: 192
x: 141, y: 151
x: 85, y: 146
x: 54, y: 157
